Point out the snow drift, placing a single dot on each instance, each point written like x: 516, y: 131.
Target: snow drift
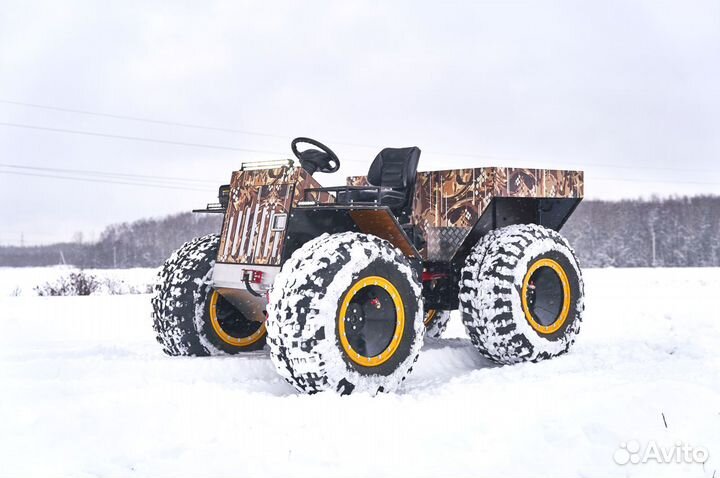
x: 87, y: 391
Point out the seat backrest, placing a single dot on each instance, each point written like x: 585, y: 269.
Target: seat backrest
x: 396, y: 168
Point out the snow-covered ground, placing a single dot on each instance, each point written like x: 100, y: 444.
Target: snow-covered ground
x: 21, y: 281
x: 86, y: 391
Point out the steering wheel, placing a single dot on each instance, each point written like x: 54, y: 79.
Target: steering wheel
x: 313, y: 160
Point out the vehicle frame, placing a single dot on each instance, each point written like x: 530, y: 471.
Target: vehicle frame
x: 273, y: 208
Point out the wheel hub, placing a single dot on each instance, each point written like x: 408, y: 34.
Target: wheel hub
x: 546, y: 296
x: 231, y: 325
x: 371, y: 321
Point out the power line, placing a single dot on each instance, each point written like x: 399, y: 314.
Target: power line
x: 153, y: 179
x: 143, y: 119
x: 98, y: 180
x: 150, y: 140
x: 108, y: 174
x: 137, y: 138
x: 642, y: 180
x: 583, y: 165
x: 278, y: 136
x: 273, y: 135
x: 148, y: 183
x: 201, y: 145
x: 167, y: 122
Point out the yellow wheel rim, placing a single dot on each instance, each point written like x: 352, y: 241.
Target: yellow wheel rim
x: 563, y: 315
x: 390, y: 350
x: 224, y: 336
x: 429, y: 316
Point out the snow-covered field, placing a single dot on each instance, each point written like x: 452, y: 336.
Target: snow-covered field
x: 22, y: 281
x: 86, y: 391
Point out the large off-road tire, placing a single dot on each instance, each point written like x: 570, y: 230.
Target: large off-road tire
x: 435, y: 323
x: 189, y: 316
x: 345, y: 314
x: 521, y: 294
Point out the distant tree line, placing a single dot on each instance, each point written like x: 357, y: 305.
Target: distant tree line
x: 673, y: 232
x: 144, y: 243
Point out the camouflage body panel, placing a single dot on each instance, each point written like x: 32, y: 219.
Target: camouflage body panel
x: 448, y: 203
x: 256, y: 197
x: 545, y: 183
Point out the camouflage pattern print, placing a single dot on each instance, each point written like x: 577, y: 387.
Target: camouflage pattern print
x: 448, y: 203
x: 256, y: 198
x: 445, y: 206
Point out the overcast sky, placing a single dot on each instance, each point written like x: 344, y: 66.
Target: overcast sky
x: 627, y: 90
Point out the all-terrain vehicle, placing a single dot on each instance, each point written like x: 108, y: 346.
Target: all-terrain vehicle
x: 344, y: 283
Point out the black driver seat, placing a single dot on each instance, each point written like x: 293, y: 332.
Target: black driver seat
x: 394, y: 170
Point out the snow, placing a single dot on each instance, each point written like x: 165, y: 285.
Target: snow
x: 86, y: 391
x: 23, y: 280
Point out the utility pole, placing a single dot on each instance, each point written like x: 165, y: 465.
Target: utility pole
x: 652, y: 234
x: 652, y: 219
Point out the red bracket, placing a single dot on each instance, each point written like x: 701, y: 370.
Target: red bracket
x: 255, y: 277
x: 428, y: 276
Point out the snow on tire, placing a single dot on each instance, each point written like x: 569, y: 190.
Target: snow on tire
x: 345, y: 314
x: 186, y: 307
x: 521, y: 294
x: 436, y: 322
